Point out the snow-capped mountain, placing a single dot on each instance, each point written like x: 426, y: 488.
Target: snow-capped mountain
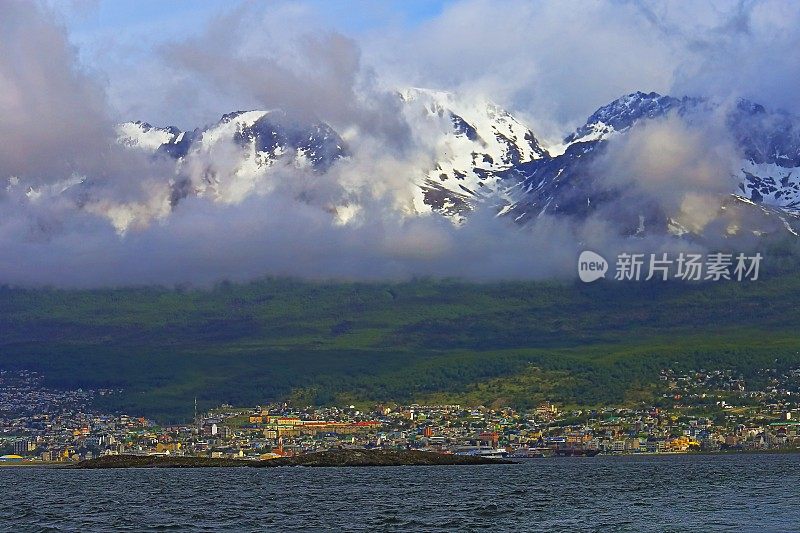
x: 271, y: 134
x: 233, y: 156
x: 481, y: 154
x: 143, y: 136
x: 621, y: 114
x: 473, y: 140
x: 470, y: 140
x: 768, y: 174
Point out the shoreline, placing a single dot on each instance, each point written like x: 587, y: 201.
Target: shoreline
x: 342, y: 458
x: 331, y: 458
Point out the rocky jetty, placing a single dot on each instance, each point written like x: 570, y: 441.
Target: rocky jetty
x: 327, y: 458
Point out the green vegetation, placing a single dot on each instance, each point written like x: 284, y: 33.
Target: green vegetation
x: 516, y: 343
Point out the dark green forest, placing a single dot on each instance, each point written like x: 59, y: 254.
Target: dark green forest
x: 515, y: 343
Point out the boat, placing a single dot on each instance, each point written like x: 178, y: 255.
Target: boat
x: 571, y: 451
x: 532, y: 453
x: 483, y: 451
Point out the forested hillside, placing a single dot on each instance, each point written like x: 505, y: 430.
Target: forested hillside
x: 516, y: 343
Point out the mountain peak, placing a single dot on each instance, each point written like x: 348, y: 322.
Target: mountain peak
x: 621, y: 114
x: 478, y: 139
x: 480, y: 153
x: 745, y: 105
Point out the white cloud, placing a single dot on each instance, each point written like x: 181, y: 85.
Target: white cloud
x: 552, y: 62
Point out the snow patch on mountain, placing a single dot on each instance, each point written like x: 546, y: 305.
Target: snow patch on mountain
x: 235, y: 157
x: 771, y: 184
x: 144, y: 136
x: 476, y: 152
x: 476, y: 140
x: 566, y: 184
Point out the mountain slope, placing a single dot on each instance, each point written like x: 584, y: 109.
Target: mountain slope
x: 481, y: 155
x: 231, y: 159
x: 474, y: 142
x: 569, y: 183
x: 344, y: 343
x: 470, y: 142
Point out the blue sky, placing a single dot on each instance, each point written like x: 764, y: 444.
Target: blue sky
x: 548, y: 62
x: 179, y: 18
x: 119, y: 40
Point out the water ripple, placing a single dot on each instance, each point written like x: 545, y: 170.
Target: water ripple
x: 686, y: 493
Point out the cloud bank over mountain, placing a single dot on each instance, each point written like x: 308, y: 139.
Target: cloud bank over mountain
x: 81, y: 208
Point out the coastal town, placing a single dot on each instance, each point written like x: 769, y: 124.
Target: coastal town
x: 695, y: 411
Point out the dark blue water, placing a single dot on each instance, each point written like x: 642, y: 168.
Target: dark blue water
x: 667, y: 493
